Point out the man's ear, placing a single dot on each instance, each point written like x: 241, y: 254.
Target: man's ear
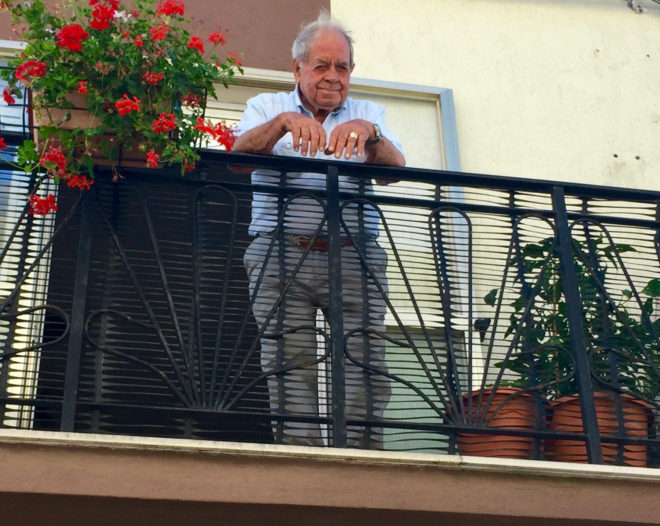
x: 295, y: 66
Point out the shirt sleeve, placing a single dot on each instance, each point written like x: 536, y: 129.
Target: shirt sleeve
x: 256, y: 113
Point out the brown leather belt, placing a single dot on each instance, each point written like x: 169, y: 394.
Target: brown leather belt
x: 318, y: 244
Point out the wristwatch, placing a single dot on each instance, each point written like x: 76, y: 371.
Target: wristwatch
x: 378, y: 136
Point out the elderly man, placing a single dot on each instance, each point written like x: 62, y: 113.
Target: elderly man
x: 289, y: 280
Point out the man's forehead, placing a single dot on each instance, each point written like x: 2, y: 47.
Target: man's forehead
x: 329, y: 42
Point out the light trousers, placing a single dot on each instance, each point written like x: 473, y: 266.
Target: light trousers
x: 286, y: 300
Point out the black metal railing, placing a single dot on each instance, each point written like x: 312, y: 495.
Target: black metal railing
x: 423, y: 315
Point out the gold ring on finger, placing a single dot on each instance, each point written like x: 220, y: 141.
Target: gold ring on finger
x: 353, y: 135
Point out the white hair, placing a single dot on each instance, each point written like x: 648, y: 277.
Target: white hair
x: 300, y: 48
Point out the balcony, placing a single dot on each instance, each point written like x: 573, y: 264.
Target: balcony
x: 130, y: 313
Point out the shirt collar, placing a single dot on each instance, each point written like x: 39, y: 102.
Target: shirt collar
x: 302, y: 109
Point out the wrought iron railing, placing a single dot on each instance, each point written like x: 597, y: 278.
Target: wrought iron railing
x: 425, y: 315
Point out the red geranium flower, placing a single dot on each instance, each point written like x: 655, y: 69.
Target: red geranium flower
x: 29, y: 69
x: 125, y: 105
x: 71, y: 37
x: 152, y: 78
x: 219, y: 131
x: 100, y: 24
x: 234, y: 58
x: 138, y: 41
x: 54, y: 161
x: 152, y: 159
x: 171, y: 7
x: 79, y: 181
x: 203, y: 127
x: 41, y: 205
x: 82, y: 86
x: 164, y: 123
x: 7, y: 94
x: 196, y: 43
x: 191, y: 99
x: 113, y: 3
x: 217, y: 38
x: 103, y: 14
x: 159, y: 32
x: 224, y: 135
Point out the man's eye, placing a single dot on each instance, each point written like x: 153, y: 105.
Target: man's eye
x: 321, y: 68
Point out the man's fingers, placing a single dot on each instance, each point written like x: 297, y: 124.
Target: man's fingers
x: 308, y: 139
x: 332, y: 143
x: 339, y: 142
x: 305, y: 135
x: 316, y: 141
x: 360, y: 140
x: 346, y: 139
x: 322, y: 139
x: 352, y: 138
x: 295, y: 137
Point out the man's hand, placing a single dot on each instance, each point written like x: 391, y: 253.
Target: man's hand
x: 347, y: 137
x: 307, y: 134
x: 353, y: 135
x: 309, y: 138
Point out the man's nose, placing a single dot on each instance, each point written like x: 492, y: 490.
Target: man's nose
x: 331, y: 73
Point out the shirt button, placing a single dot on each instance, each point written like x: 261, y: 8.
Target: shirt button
x: 289, y: 146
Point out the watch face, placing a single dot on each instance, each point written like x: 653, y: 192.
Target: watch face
x: 377, y: 133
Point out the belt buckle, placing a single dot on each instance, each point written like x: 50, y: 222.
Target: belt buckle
x: 317, y: 245
x: 302, y: 241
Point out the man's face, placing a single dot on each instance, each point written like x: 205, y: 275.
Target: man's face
x: 324, y: 78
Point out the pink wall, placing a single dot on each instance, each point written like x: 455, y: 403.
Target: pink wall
x: 260, y: 30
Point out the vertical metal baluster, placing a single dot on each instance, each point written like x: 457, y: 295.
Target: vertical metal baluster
x: 336, y: 321
x: 574, y: 312
x: 79, y: 304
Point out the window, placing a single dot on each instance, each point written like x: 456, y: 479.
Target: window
x: 23, y: 273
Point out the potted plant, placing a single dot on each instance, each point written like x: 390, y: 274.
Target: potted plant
x: 621, y: 338
x: 140, y: 79
x: 503, y: 413
x: 507, y: 408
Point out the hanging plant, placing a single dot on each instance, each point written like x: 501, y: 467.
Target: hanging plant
x: 138, y: 71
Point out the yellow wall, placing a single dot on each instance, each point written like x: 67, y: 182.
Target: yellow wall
x: 551, y: 89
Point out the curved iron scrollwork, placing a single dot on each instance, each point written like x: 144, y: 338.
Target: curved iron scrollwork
x: 454, y: 308
x: 64, y: 318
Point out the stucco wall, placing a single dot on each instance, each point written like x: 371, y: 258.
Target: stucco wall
x: 260, y: 31
x: 552, y: 89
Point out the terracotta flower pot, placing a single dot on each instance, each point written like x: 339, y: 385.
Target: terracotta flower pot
x: 517, y: 413
x: 567, y: 416
x: 128, y: 154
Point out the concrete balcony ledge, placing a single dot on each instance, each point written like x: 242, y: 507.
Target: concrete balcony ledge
x: 69, y: 478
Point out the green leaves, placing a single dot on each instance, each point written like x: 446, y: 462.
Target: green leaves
x: 490, y: 298
x: 616, y: 322
x: 652, y: 288
x: 27, y: 155
x: 139, y: 46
